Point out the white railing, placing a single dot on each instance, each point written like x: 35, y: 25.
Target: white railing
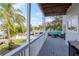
x: 35, y: 47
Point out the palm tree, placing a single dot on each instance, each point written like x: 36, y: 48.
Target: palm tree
x: 10, y: 16
x: 19, y: 19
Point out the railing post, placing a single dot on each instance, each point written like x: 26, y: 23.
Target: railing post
x: 78, y: 24
x: 28, y: 23
x: 44, y: 26
x: 43, y: 23
x: 66, y: 25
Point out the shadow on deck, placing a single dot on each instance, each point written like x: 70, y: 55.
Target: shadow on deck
x: 54, y: 47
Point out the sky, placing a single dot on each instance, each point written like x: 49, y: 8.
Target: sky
x: 36, y: 14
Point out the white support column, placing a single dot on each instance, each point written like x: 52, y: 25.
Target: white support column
x: 63, y: 25
x: 44, y: 27
x: 66, y: 26
x: 44, y: 23
x: 28, y: 23
x: 78, y: 24
x: 67, y: 22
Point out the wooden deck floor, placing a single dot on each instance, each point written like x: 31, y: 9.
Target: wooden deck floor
x: 54, y: 47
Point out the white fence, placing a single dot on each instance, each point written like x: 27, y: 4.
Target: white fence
x: 35, y: 47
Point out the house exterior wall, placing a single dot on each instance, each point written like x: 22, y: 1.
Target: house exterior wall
x: 72, y: 14
x: 64, y: 25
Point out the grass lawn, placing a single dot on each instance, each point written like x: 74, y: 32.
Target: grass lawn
x: 4, y: 47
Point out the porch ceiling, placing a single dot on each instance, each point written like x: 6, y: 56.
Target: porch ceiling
x: 52, y: 9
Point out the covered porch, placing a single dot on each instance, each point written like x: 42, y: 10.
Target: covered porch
x: 54, y: 47
x: 44, y: 45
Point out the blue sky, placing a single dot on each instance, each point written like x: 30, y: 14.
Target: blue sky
x: 36, y: 15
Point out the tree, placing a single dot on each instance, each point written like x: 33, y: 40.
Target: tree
x: 19, y: 19
x: 56, y: 24
x: 10, y: 16
x: 6, y: 13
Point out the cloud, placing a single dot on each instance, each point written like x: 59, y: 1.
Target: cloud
x: 18, y: 5
x: 36, y: 24
x: 39, y: 14
x: 40, y: 23
x: 35, y: 21
x: 48, y: 19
